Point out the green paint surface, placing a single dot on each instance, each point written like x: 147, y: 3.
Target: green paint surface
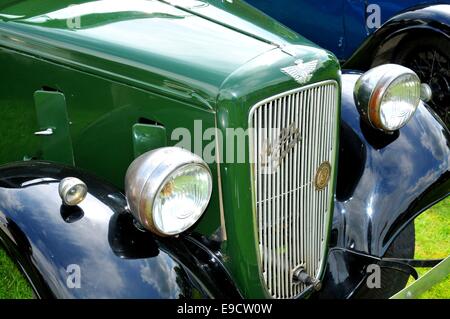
x: 51, y: 113
x: 169, y: 64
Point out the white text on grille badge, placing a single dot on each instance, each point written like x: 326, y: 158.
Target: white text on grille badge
x: 273, y: 152
x: 301, y: 72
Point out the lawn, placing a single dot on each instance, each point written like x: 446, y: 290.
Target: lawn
x: 432, y: 241
x: 12, y: 284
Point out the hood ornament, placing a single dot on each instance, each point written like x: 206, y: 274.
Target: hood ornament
x: 301, y: 72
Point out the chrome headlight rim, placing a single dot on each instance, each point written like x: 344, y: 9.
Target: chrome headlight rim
x: 150, y: 173
x: 371, y: 88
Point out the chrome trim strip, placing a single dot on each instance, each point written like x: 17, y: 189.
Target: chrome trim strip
x: 223, y: 228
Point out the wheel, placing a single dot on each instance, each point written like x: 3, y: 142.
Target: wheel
x: 429, y: 56
x: 392, y: 281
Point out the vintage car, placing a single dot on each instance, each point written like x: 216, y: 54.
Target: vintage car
x: 190, y: 149
x: 364, y: 34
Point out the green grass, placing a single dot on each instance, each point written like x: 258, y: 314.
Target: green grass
x: 432, y: 241
x: 12, y: 284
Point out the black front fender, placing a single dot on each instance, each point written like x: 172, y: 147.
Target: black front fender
x: 384, y: 182
x: 98, y: 238
x: 380, y: 46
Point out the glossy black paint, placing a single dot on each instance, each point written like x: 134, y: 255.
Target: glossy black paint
x: 346, y: 271
x: 392, y: 178
x: 116, y: 259
x: 381, y: 45
x: 384, y: 182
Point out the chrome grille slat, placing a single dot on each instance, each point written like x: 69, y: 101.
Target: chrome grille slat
x: 292, y: 215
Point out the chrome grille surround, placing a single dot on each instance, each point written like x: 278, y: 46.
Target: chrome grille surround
x: 292, y: 217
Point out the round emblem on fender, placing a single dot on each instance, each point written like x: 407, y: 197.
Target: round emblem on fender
x: 322, y: 176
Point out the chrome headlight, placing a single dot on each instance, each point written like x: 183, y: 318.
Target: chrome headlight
x: 168, y: 190
x: 387, y: 96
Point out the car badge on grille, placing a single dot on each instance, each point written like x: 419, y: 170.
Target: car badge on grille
x: 323, y: 175
x: 274, y: 152
x: 301, y: 72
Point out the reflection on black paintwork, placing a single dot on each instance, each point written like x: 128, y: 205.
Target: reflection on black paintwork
x: 129, y: 242
x: 401, y: 174
x: 376, y: 138
x: 71, y: 214
x: 112, y: 254
x: 352, y: 160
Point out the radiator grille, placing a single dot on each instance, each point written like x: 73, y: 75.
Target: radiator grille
x: 293, y: 134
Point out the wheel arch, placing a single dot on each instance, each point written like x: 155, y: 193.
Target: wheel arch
x: 380, y: 46
x: 115, y: 258
x: 386, y: 180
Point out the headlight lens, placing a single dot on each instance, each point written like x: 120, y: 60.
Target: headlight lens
x: 168, y: 190
x: 387, y: 96
x: 399, y: 102
x: 182, y: 199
